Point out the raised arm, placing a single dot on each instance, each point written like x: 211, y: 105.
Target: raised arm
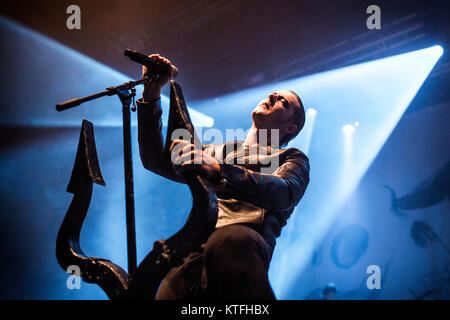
x: 151, y: 145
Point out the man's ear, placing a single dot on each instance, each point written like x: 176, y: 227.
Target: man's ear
x: 291, y: 128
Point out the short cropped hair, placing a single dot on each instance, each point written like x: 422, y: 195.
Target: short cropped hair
x: 299, y: 121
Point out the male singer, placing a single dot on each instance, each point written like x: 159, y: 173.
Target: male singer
x: 253, y: 205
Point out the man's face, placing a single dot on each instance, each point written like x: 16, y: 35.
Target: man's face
x: 276, y: 112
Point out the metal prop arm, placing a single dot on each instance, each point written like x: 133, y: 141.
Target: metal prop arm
x: 107, y: 92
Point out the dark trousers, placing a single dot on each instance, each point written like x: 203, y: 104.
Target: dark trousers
x: 232, y: 264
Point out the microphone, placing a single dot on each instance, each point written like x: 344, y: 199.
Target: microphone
x: 154, y: 67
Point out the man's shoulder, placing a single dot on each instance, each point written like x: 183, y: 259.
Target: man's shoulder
x: 294, y: 152
x: 296, y: 157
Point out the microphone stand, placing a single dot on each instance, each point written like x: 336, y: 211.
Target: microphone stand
x: 126, y: 93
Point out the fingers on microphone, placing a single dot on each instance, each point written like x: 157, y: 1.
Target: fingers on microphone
x: 158, y: 57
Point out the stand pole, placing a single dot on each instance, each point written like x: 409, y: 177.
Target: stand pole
x: 129, y: 189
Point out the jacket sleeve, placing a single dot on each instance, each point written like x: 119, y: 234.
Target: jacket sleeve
x: 281, y: 190
x: 151, y: 145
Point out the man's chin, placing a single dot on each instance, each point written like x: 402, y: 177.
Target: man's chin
x: 257, y: 115
x: 258, y: 120
x: 259, y: 112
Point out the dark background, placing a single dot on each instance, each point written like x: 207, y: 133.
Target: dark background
x: 225, y: 45
x: 220, y: 47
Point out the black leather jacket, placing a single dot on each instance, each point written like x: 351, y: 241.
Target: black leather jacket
x: 250, y: 192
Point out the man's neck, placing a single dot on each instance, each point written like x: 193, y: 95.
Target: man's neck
x: 253, y: 138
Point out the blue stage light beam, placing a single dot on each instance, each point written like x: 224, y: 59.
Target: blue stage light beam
x: 373, y: 95
x: 38, y: 72
x: 303, y: 140
x: 348, y: 130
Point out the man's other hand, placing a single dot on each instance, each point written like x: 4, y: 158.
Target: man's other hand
x: 185, y: 156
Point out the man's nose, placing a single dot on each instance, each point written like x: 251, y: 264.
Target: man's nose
x: 272, y: 98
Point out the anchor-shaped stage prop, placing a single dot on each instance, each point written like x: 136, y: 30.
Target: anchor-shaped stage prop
x: 86, y: 170
x: 166, y: 254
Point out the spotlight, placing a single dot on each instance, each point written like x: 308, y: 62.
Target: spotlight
x: 348, y: 129
x: 311, y: 112
x: 437, y: 51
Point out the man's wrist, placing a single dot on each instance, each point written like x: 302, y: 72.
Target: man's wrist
x: 151, y: 95
x: 150, y: 100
